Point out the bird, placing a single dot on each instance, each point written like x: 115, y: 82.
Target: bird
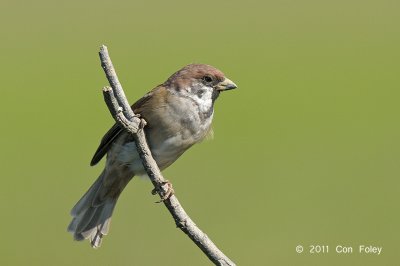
x: 179, y: 113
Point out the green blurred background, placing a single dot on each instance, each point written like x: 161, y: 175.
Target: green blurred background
x: 306, y: 151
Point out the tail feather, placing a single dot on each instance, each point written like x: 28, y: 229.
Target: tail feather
x: 107, y: 219
x: 103, y: 228
x: 92, y: 221
x: 85, y: 219
x: 88, y: 197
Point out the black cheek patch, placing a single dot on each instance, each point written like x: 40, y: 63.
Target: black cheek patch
x: 215, y: 94
x: 200, y: 93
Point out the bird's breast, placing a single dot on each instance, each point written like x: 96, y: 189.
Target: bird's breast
x: 180, y: 127
x: 171, y: 129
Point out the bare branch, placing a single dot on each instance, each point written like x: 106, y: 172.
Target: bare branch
x: 112, y: 77
x: 123, y: 114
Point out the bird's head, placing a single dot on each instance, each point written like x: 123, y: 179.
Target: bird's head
x: 200, y: 81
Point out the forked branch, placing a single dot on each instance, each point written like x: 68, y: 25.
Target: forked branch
x: 119, y: 107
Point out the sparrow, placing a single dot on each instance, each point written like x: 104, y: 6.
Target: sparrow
x: 178, y: 113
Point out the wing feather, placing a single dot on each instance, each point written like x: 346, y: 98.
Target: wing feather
x: 105, y: 143
x: 116, y: 130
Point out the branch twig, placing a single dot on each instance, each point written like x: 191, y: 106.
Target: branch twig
x: 122, y: 113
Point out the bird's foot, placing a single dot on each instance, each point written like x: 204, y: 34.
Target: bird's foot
x: 164, y: 196
x: 142, y: 122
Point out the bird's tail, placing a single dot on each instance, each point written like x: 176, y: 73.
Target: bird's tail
x: 92, y: 213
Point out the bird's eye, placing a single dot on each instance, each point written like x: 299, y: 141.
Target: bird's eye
x: 207, y: 79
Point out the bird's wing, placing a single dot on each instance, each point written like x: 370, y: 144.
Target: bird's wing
x: 116, y: 130
x: 105, y: 143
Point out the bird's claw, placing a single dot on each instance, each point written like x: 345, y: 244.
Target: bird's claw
x: 166, y: 195
x: 142, y: 122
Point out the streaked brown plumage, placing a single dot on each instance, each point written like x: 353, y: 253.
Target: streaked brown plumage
x: 179, y: 113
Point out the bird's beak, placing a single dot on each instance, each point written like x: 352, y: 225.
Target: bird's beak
x: 226, y: 85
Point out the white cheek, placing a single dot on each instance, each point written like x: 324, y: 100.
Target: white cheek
x: 205, y: 101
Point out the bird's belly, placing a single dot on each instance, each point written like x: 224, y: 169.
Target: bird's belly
x: 165, y: 153
x: 169, y: 150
